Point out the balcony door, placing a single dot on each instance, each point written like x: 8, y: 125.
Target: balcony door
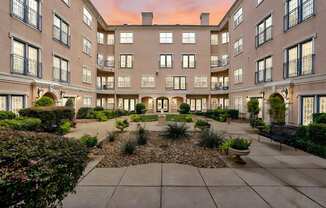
x: 162, y: 105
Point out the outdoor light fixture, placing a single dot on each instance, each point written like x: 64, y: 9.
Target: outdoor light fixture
x: 39, y: 92
x: 285, y: 92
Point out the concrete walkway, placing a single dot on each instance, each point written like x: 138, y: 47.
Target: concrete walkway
x: 271, y: 178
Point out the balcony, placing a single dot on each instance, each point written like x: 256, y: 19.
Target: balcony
x: 299, y: 67
x: 26, y: 14
x: 262, y: 76
x: 107, y: 65
x: 25, y: 66
x: 219, y: 88
x: 220, y: 65
x: 106, y: 88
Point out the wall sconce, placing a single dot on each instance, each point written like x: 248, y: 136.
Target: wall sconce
x: 262, y: 94
x: 248, y: 99
x: 39, y: 92
x: 285, y: 92
x: 62, y: 94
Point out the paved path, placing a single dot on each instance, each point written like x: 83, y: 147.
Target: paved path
x: 271, y: 178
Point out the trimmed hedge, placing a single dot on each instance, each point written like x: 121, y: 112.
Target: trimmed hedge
x: 7, y: 115
x: 85, y: 113
x: 38, y: 170
x: 140, y: 108
x: 22, y: 124
x: 51, y: 117
x: 319, y: 118
x: 44, y: 101
x: 184, y: 108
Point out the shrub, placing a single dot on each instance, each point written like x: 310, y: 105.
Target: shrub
x: 51, y: 117
x: 111, y: 136
x: 277, y: 110
x: 140, y: 108
x: 234, y: 114
x: 179, y: 118
x: 225, y: 146
x: 210, y: 139
x: 100, y: 116
x: 317, y: 133
x: 98, y: 108
x: 44, y: 101
x: 128, y: 147
x: 135, y: 118
x: 176, y: 131
x: 319, y: 118
x: 64, y: 127
x: 38, y: 170
x: 240, y: 144
x: 256, y: 122
x: 218, y: 114
x: 85, y: 113
x: 121, y: 124
x: 253, y: 109
x: 89, y: 141
x: 110, y: 114
x: 7, y: 115
x: 202, y: 124
x: 22, y: 124
x: 184, y: 108
x: 142, y: 136
x: 70, y: 103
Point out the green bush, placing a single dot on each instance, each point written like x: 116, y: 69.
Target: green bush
x: 38, y: 170
x: 111, y: 136
x: 184, y: 108
x: 142, y: 136
x: 225, y: 146
x: 121, y: 124
x: 277, y: 110
x: 22, y: 124
x: 135, y: 118
x: 240, y: 144
x: 140, y: 108
x: 256, y: 122
x: 100, y: 116
x: 317, y: 133
x: 319, y: 118
x: 89, y: 141
x: 179, y: 118
x: 176, y: 131
x: 51, y: 117
x: 210, y: 139
x: 44, y: 101
x: 98, y: 108
x: 85, y: 113
x: 234, y: 114
x: 7, y: 115
x: 64, y: 127
x: 110, y: 114
x: 70, y: 103
x: 128, y: 147
x: 218, y: 114
x: 202, y: 124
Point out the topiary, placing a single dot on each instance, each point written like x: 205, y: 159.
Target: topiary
x: 44, y: 101
x: 121, y: 124
x: 140, y: 108
x: 70, y: 103
x: 184, y: 108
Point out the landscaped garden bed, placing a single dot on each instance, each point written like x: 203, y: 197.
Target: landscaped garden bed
x: 179, y: 118
x: 143, y: 118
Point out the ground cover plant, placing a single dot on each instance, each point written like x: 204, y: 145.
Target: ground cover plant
x: 121, y: 124
x: 179, y: 118
x: 89, y: 141
x: 143, y: 118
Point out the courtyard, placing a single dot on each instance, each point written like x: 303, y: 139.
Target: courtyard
x: 270, y: 177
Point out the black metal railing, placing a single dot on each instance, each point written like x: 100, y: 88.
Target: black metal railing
x: 218, y: 86
x: 297, y: 15
x: 108, y: 86
x: 299, y: 67
x: 220, y: 63
x: 109, y: 64
x: 26, y: 14
x: 25, y: 66
x: 264, y: 75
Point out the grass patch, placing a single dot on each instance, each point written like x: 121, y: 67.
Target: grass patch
x: 143, y: 118
x: 179, y: 118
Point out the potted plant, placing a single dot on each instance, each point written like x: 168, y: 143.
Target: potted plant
x: 202, y: 124
x: 239, y: 147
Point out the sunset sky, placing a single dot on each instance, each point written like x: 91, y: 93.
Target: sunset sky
x: 165, y: 11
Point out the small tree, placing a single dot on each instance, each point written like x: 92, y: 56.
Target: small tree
x: 277, y: 110
x: 70, y: 103
x: 184, y: 108
x: 140, y: 108
x: 253, y: 109
x: 44, y: 101
x: 121, y: 124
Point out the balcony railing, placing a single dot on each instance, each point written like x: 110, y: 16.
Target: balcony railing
x: 264, y: 36
x: 109, y: 86
x: 105, y: 64
x: 26, y: 14
x: 263, y: 75
x: 304, y: 11
x: 220, y: 63
x: 216, y: 87
x: 299, y: 67
x: 61, y: 36
x: 25, y: 66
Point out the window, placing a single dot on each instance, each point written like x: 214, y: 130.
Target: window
x: 166, y: 61
x: 264, y: 70
x: 238, y: 46
x: 124, y: 82
x: 105, y: 83
x: 308, y: 104
x: 166, y: 37
x: 87, y: 17
x: 238, y: 103
x: 100, y: 38
x: 87, y: 101
x: 67, y: 2
x: 219, y: 83
x: 188, y: 62
x: 225, y: 37
x: 148, y: 82
x: 127, y: 104
x: 238, y: 17
x: 238, y: 75
x: 111, y: 39
x: 259, y: 1
x: 61, y: 71
x: 28, y: 12
x: 87, y: 46
x: 201, y: 82
x: 61, y: 30
x: 12, y: 102
x: 322, y: 104
x: 188, y: 37
x: 214, y: 39
x: 214, y: 61
x: 299, y: 59
x: 264, y: 31
x: 126, y: 37
x: 25, y: 59
x: 107, y: 103
x: 126, y: 61
x: 109, y: 62
x: 87, y: 75
x: 100, y: 60
x: 297, y: 11
x: 225, y: 60
x: 197, y: 104
x: 176, y: 83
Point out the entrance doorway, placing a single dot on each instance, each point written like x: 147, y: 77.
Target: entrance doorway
x: 162, y: 104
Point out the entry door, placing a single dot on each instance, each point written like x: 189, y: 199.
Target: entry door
x: 162, y: 104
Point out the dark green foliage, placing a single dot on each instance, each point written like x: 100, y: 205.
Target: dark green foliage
x: 240, y: 144
x: 44, y: 101
x: 140, y: 108
x: 70, y: 103
x: 234, y: 114
x: 184, y: 108
x: 176, y: 131
x: 202, y: 124
x: 253, y: 107
x: 256, y: 122
x: 51, y: 117
x: 89, y: 141
x: 277, y: 110
x: 141, y: 136
x: 22, y: 124
x: 319, y: 118
x: 210, y: 139
x: 7, y: 115
x: 98, y: 108
x: 85, y: 113
x: 121, y: 124
x: 317, y: 133
x: 111, y: 136
x: 179, y: 118
x: 218, y: 114
x: 128, y: 147
x: 100, y: 116
x: 38, y: 171
x: 64, y: 127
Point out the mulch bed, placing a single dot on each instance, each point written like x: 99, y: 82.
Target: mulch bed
x: 159, y: 150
